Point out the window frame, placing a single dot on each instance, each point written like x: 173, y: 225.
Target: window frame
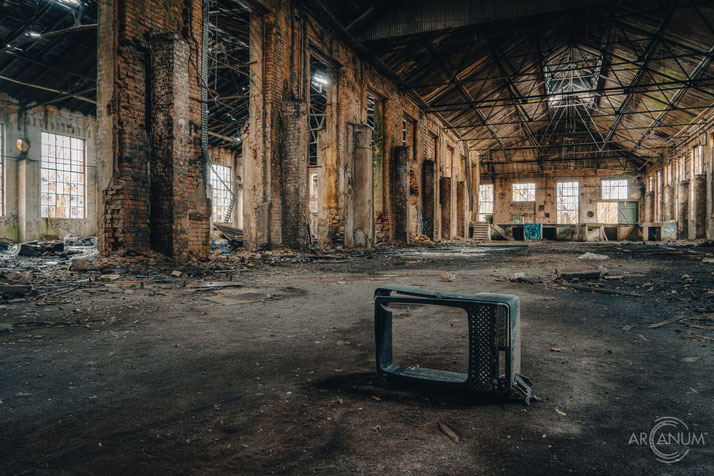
x: 219, y: 188
x: 611, y: 185
x: 526, y: 188
x: 559, y: 188
x: 45, y: 159
x: 481, y: 213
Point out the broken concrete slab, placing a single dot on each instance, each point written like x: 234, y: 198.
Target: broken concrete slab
x: 87, y: 262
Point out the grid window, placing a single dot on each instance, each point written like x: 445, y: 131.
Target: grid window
x: 2, y: 163
x: 524, y: 192
x: 614, y: 189
x: 568, y: 203
x: 62, y: 176
x: 651, y: 183
x: 221, y: 183
x: 485, y: 202
x: 319, y: 83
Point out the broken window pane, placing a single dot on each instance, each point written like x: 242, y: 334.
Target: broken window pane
x: 221, y: 183
x: 607, y: 212
x: 524, y: 192
x: 319, y: 82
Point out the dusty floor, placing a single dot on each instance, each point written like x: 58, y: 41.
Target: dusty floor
x: 155, y: 377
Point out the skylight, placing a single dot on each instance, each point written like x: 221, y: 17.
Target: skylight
x: 571, y: 76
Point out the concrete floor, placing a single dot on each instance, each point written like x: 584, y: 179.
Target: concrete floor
x: 279, y: 378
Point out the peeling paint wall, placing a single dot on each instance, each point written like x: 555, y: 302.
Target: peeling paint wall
x: 20, y: 219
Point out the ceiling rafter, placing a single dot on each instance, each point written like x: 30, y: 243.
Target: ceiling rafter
x: 504, y: 65
x: 464, y: 93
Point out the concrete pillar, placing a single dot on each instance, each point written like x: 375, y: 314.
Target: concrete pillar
x: 293, y: 175
x: 649, y: 207
x: 683, y: 211
x: 461, y: 205
x: 428, y: 198
x: 124, y: 119
x: 445, y: 201
x: 28, y: 187
x: 697, y: 227
x: 400, y: 194
x: 29, y: 197
x: 360, y: 217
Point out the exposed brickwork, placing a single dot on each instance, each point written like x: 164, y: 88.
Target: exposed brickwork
x: 428, y: 198
x: 683, y: 212
x: 461, y: 209
x: 293, y: 178
x: 698, y: 224
x: 400, y: 193
x: 283, y: 77
x: 445, y: 202
x: 124, y: 112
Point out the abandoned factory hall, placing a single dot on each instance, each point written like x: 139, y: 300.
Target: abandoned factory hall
x: 454, y: 237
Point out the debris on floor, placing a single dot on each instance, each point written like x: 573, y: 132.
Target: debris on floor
x: 35, y: 248
x: 593, y: 256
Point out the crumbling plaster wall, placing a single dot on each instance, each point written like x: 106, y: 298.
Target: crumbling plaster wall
x: 283, y: 39
x: 20, y: 218
x: 543, y: 210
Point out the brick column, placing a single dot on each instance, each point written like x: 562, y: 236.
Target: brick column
x: 649, y: 207
x: 683, y: 211
x: 428, y: 198
x: 293, y: 174
x: 132, y: 122
x: 445, y: 201
x: 169, y: 143
x: 698, y: 225
x: 668, y: 210
x: 400, y: 194
x: 461, y: 227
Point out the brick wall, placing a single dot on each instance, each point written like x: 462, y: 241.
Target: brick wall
x: 124, y: 111
x: 285, y: 35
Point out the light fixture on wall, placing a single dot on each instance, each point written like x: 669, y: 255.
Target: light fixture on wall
x: 23, y: 145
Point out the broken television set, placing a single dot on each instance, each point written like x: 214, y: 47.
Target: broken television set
x: 491, y: 342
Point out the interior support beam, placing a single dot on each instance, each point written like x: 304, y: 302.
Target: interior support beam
x: 462, y: 91
x: 507, y: 71
x: 645, y: 59
x: 696, y: 74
